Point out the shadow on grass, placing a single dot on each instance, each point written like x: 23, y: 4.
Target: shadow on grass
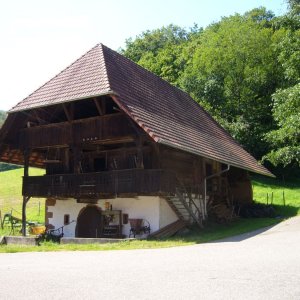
x: 263, y: 181
x: 286, y: 210
x: 234, y: 231
x: 282, y: 212
x: 245, y: 236
x: 238, y: 230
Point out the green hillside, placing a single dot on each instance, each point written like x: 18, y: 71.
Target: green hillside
x: 286, y: 195
x: 11, y: 195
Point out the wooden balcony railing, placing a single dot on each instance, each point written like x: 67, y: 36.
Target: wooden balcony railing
x: 76, y: 132
x: 93, y: 185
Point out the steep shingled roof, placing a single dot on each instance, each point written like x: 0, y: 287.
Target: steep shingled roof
x: 169, y: 115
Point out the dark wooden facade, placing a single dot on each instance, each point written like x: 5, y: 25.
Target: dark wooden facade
x: 91, y: 149
x: 103, y: 155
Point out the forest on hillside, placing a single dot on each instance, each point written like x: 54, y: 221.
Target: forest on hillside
x: 244, y: 70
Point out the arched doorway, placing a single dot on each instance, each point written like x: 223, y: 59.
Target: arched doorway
x: 89, y: 222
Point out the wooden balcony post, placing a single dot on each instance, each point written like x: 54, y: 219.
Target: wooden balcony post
x: 25, y: 199
x: 66, y: 160
x: 140, y: 158
x: 26, y: 162
x: 77, y: 159
x: 156, y: 156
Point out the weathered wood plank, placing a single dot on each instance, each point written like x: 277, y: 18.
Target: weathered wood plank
x: 103, y: 128
x: 98, y: 105
x: 119, y: 182
x: 67, y: 113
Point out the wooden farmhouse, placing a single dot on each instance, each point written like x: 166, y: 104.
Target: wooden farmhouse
x: 124, y: 152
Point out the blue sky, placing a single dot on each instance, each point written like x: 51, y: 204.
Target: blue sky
x: 39, y: 38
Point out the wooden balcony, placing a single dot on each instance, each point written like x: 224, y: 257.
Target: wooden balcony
x: 89, y: 130
x: 101, y: 184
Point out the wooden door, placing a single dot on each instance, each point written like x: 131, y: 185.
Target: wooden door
x: 89, y: 222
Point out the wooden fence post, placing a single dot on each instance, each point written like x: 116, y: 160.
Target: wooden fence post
x: 1, y: 222
x: 272, y: 198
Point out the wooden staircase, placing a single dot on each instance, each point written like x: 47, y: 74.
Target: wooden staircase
x: 168, y: 230
x: 184, y: 207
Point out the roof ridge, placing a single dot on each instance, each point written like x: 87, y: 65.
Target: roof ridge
x: 148, y: 71
x: 105, y: 63
x: 55, y: 76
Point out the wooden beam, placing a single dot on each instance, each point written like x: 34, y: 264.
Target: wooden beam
x: 116, y: 140
x: 25, y: 200
x: 86, y: 120
x: 26, y: 162
x: 138, y: 131
x: 67, y: 113
x: 76, y: 159
x: 140, y: 159
x: 156, y: 156
x: 37, y: 116
x: 66, y: 160
x: 99, y: 108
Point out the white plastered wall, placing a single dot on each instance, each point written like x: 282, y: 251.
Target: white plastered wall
x: 166, y: 214
x: 61, y: 208
x: 153, y: 209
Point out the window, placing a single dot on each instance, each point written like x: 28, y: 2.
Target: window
x: 125, y: 218
x: 66, y: 219
x: 99, y: 164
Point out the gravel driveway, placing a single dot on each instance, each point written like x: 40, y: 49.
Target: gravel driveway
x: 265, y: 265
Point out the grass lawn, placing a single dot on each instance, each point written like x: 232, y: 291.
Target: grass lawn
x: 261, y: 186
x: 11, y: 196
x: 264, y: 185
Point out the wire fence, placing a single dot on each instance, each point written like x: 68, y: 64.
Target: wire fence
x: 280, y: 198
x: 276, y: 197
x: 35, y: 208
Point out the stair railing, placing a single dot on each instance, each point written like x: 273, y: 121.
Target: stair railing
x: 191, y: 207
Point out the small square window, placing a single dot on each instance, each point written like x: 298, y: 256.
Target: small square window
x: 125, y: 218
x: 66, y: 219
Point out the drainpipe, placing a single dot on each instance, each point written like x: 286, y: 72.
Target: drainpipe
x: 205, y: 187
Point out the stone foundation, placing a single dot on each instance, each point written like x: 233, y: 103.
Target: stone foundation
x: 20, y: 240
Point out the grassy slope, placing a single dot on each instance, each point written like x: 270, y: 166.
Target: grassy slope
x: 11, y: 195
x: 10, y: 188
x: 263, y: 186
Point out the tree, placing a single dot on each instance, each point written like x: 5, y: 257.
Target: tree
x: 285, y: 139
x: 294, y: 6
x: 234, y: 73
x: 153, y: 41
x: 162, y: 51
